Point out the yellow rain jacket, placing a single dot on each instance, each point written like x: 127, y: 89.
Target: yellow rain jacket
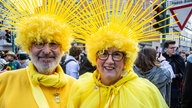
x: 16, y: 91
x: 129, y: 92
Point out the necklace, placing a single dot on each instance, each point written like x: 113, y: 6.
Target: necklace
x: 57, y: 97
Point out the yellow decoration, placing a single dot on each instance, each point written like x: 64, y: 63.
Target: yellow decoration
x: 39, y: 20
x: 120, y: 23
x: 8, y: 68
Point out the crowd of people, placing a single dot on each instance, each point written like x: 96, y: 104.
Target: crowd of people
x: 114, y: 72
x: 12, y: 61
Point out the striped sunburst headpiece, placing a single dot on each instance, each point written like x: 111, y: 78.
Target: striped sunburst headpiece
x: 39, y: 20
x: 116, y: 23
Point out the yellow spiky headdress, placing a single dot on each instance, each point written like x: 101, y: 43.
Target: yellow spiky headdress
x: 39, y: 20
x: 115, y: 23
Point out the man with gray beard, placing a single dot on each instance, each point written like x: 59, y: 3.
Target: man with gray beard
x: 44, y: 35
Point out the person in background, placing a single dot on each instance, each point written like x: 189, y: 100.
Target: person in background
x: 45, y: 34
x: 165, y: 64
x: 71, y: 62
x: 177, y: 51
x: 187, y: 54
x: 111, y: 37
x: 85, y: 64
x: 2, y: 54
x: 178, y: 66
x: 11, y: 58
x: 190, y: 52
x: 23, y: 59
x: 183, y: 55
x: 3, y: 64
x: 147, y: 66
x: 187, y: 87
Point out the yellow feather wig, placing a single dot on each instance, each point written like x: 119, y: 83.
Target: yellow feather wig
x: 39, y: 20
x: 116, y: 23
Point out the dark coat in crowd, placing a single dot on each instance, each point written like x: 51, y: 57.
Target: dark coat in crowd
x: 187, y: 88
x: 178, y: 66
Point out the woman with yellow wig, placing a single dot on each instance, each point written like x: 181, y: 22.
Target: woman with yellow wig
x: 111, y: 31
x: 43, y: 30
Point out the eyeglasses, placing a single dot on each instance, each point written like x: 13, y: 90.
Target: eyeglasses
x: 116, y: 56
x: 52, y: 45
x: 171, y: 47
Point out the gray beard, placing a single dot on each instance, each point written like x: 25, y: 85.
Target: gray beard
x: 44, y: 68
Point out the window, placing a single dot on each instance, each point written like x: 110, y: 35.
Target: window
x: 143, y: 25
x: 151, y: 8
x: 144, y: 5
x: 150, y: 23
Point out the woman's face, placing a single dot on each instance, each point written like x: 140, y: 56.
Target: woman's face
x: 110, y: 64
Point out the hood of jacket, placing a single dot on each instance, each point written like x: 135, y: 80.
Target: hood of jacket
x: 156, y: 75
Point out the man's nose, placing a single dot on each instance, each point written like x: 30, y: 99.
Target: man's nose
x: 46, y: 49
